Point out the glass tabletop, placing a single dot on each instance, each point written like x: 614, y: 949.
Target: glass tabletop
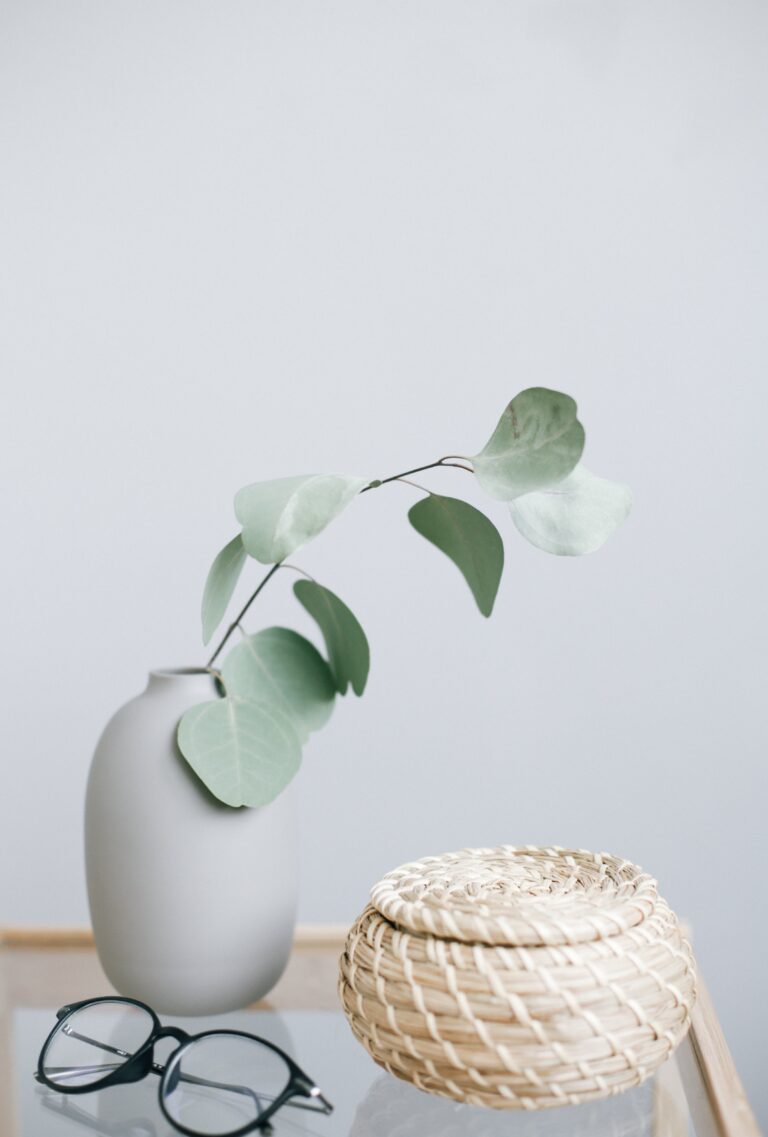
x: 368, y: 1101
x: 696, y: 1093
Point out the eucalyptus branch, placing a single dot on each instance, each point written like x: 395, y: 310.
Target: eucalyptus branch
x: 283, y: 688
x: 445, y: 461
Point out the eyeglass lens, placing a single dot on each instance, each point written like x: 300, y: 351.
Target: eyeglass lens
x: 222, y: 1082
x: 94, y: 1042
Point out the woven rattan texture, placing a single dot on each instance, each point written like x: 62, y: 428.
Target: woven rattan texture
x: 589, y: 993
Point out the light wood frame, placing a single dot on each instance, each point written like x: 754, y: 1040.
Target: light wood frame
x: 307, y: 936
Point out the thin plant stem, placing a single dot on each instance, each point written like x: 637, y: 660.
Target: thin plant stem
x: 416, y: 486
x: 396, y: 477
x: 295, y: 568
x: 242, y: 612
x: 218, y: 678
x: 417, y: 470
x: 458, y: 466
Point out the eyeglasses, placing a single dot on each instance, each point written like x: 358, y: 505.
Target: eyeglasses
x: 221, y: 1083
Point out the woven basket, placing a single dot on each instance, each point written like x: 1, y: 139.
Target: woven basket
x: 518, y: 978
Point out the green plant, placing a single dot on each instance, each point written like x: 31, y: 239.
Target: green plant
x: 276, y: 687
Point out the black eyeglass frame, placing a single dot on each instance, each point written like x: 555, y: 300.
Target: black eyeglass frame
x: 137, y: 1066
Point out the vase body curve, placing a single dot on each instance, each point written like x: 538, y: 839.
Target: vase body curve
x: 192, y: 902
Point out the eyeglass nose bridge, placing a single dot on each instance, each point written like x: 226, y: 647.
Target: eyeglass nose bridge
x: 143, y: 1062
x: 175, y: 1032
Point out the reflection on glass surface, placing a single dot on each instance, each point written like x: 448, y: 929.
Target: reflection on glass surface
x: 65, y: 1108
x: 369, y: 1103
x: 131, y: 1110
x: 397, y: 1109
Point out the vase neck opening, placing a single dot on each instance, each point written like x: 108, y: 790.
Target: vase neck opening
x: 191, y: 679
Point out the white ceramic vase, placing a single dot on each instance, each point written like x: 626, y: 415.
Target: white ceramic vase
x: 192, y: 902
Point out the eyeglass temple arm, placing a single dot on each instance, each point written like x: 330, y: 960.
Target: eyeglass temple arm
x: 74, y: 1071
x: 156, y: 1068
x: 323, y: 1107
x: 315, y: 1094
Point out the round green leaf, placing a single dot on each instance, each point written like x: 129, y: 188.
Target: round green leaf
x: 536, y: 444
x: 279, y: 666
x: 279, y: 516
x: 222, y: 578
x: 244, y: 752
x: 345, y: 640
x: 575, y: 517
x: 465, y: 535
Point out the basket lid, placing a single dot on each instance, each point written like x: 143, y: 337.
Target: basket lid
x: 517, y: 896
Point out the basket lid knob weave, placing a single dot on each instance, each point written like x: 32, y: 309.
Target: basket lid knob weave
x: 517, y: 896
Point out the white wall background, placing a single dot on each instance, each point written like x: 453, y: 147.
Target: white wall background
x: 250, y: 239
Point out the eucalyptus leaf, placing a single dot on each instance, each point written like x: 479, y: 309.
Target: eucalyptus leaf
x: 280, y: 516
x: 345, y: 640
x: 246, y: 753
x: 537, y: 442
x: 575, y: 517
x: 277, y: 665
x: 222, y: 579
x: 465, y: 535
